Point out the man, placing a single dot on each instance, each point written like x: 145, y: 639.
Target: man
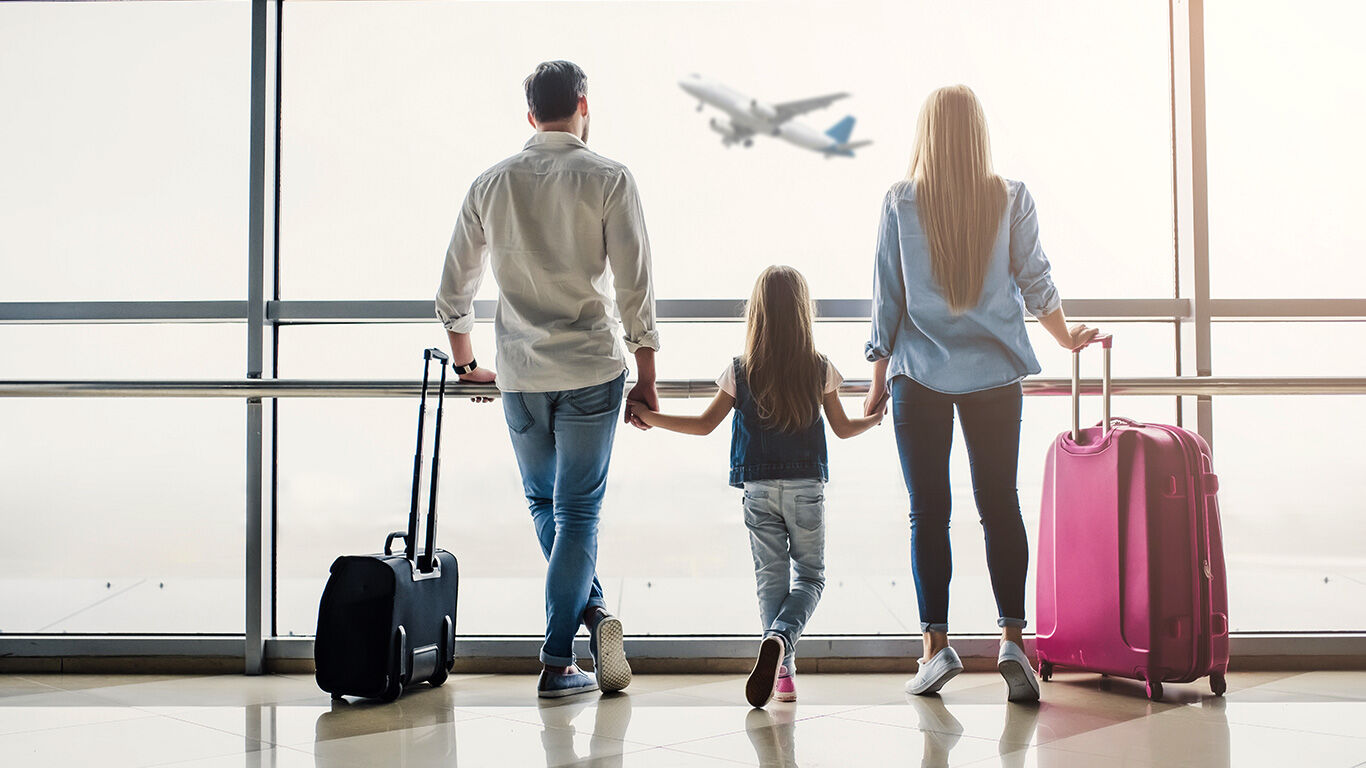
x: 562, y: 225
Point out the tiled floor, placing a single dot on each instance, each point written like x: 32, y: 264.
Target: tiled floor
x: 1303, y: 720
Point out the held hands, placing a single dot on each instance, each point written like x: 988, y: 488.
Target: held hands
x: 479, y: 376
x: 876, y: 401
x: 637, y: 412
x: 643, y: 397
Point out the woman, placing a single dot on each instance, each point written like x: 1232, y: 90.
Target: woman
x: 958, y: 263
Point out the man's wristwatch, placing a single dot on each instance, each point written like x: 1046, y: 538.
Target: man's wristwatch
x: 461, y: 370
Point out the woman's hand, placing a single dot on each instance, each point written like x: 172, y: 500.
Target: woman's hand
x: 479, y: 376
x: 1078, y: 336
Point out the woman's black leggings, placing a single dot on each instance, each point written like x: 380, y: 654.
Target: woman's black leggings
x: 924, y: 435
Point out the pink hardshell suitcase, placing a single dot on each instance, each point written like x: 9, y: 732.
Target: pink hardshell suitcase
x: 1131, y: 562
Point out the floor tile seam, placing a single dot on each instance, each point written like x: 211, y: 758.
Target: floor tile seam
x: 143, y: 716
x: 215, y: 729
x: 1032, y: 742
x: 709, y: 757
x: 200, y: 758
x: 1272, y: 687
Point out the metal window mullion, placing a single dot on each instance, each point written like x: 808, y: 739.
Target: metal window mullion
x: 1192, y: 187
x: 255, y: 598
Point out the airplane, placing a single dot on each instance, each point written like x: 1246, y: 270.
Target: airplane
x: 747, y: 118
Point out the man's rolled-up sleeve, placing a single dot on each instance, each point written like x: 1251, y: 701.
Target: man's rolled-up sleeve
x: 1028, y: 264
x: 889, y: 287
x: 466, y: 258
x: 628, y: 252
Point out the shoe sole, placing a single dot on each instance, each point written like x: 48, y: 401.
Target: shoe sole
x: 1019, y: 681
x: 566, y: 692
x: 764, y: 677
x: 785, y: 697
x: 934, y: 687
x: 612, y: 668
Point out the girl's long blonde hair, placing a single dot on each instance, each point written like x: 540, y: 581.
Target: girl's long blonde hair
x: 781, y: 364
x: 959, y: 197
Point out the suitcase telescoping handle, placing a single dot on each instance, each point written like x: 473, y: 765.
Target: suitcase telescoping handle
x: 425, y: 561
x: 1104, y: 340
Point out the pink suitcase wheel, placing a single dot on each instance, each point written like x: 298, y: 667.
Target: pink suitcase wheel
x: 1045, y: 671
x: 1218, y: 684
x: 1154, y: 689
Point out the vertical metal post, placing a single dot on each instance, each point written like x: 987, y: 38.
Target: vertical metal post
x: 1192, y: 185
x: 256, y: 315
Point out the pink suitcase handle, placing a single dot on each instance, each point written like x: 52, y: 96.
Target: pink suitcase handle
x: 1105, y: 341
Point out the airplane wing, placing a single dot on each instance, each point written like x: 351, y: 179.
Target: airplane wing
x: 790, y: 109
x: 852, y: 145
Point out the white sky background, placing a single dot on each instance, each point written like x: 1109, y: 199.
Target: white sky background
x: 123, y: 176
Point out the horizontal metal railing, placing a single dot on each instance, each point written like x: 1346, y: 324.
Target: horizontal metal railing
x: 673, y: 388
x: 292, y: 311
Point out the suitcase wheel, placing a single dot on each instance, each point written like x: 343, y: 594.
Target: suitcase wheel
x: 1045, y: 670
x: 1218, y: 684
x: 1154, y: 689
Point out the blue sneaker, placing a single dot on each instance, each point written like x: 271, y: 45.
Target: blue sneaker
x: 607, y: 647
x: 553, y: 686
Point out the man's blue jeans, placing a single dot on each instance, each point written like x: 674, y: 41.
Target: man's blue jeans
x: 563, y: 442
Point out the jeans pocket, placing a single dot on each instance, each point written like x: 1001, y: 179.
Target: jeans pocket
x: 809, y: 511
x: 597, y: 399
x: 515, y: 411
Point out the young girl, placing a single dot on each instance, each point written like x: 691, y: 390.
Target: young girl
x: 777, y: 455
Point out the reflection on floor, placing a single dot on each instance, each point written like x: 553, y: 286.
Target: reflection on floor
x: 1272, y: 719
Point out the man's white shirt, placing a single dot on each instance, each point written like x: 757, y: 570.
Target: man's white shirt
x: 563, y: 228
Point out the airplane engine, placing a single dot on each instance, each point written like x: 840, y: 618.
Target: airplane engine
x: 723, y: 129
x: 762, y: 111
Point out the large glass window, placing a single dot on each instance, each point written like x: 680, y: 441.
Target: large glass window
x: 125, y: 141
x: 380, y: 146
x: 1285, y: 104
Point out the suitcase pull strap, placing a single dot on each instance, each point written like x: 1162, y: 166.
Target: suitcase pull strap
x: 424, y: 563
x: 1105, y: 340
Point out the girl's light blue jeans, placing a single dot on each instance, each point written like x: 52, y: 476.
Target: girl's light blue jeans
x: 786, y: 521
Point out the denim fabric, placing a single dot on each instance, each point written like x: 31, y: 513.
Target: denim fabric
x: 982, y: 348
x: 786, y: 521
x: 760, y: 453
x: 924, y: 435
x: 563, y: 442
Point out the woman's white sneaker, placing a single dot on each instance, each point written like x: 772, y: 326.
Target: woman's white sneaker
x: 934, y: 672
x: 1013, y: 664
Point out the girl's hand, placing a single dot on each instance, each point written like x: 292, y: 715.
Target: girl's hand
x: 479, y: 376
x: 1078, y: 336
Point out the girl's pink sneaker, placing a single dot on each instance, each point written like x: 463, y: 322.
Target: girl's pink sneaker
x: 786, y: 689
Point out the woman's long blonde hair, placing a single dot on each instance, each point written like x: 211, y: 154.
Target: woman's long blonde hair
x: 781, y: 364
x: 959, y: 197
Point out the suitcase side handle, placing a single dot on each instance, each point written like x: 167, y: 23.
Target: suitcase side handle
x: 389, y: 541
x: 1105, y: 340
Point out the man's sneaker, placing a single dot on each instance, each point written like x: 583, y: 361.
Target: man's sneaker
x: 1014, y: 666
x: 934, y: 672
x: 764, y: 678
x: 605, y: 644
x: 553, y: 685
x: 786, y: 689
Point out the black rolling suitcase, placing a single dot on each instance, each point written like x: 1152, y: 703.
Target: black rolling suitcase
x: 388, y: 620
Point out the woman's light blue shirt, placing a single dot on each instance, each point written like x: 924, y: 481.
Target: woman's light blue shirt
x: 981, y: 348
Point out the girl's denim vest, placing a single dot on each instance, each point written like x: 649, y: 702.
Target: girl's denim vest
x: 760, y: 453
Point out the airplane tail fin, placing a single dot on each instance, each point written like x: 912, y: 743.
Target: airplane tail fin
x: 842, y: 130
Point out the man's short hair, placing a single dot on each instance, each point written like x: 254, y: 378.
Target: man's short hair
x: 554, y: 89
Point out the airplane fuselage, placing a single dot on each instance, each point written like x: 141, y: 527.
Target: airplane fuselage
x: 753, y: 116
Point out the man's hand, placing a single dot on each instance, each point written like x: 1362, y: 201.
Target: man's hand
x: 479, y: 376
x: 646, y: 395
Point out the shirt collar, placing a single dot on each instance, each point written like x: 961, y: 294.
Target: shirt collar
x: 554, y: 139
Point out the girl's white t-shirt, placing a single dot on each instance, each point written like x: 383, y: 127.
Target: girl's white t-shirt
x: 833, y: 379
